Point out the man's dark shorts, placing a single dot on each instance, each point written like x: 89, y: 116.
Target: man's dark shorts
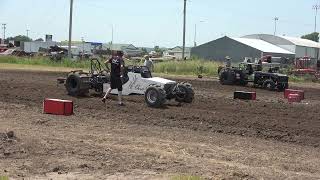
x: 116, y: 83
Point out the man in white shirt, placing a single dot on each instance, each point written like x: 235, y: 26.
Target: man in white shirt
x: 148, y: 63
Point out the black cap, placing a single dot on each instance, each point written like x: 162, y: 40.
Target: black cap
x: 119, y: 53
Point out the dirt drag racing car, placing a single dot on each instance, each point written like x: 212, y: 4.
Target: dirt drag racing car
x: 270, y: 80
x: 136, y: 80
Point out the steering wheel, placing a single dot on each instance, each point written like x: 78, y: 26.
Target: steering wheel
x: 104, y: 71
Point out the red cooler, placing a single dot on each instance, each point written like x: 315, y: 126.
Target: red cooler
x: 293, y: 91
x: 58, y: 107
x: 245, y: 95
x: 294, y: 98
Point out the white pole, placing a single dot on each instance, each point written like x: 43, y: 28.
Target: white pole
x: 315, y: 7
x: 275, y: 25
x: 4, y: 32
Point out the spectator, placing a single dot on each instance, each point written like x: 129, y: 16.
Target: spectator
x: 148, y: 63
x: 228, y: 61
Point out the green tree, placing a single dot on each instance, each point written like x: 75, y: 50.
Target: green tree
x: 158, y: 50
x: 39, y: 39
x: 20, y: 38
x: 144, y: 51
x: 313, y: 36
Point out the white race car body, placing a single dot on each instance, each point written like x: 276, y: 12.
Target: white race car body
x: 138, y: 85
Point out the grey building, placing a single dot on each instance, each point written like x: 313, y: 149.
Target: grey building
x: 33, y: 46
x: 238, y: 49
x: 301, y: 47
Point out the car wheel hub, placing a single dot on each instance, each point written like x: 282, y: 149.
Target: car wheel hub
x: 152, y: 96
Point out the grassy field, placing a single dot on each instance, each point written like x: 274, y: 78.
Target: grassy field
x: 192, y: 67
x: 189, y: 67
x: 41, y: 61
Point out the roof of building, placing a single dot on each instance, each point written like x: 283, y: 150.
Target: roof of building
x: 262, y: 45
x: 302, y: 42
x: 284, y: 40
x: 118, y: 47
x: 179, y: 49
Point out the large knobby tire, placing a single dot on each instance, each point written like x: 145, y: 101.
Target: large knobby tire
x: 220, y: 69
x: 282, y: 87
x: 185, y: 93
x: 227, y: 77
x: 73, y: 85
x: 155, y: 96
x: 269, y: 85
x: 243, y: 79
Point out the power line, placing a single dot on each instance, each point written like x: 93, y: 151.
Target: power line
x: 195, y: 33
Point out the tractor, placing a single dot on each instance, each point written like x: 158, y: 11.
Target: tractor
x: 136, y: 80
x: 252, y: 73
x: 307, y: 66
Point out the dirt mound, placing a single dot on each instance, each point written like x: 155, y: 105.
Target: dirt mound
x: 10, y: 145
x: 215, y: 136
x: 7, y: 137
x: 214, y: 110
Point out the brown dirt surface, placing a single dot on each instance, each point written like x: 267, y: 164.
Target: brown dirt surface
x: 216, y: 137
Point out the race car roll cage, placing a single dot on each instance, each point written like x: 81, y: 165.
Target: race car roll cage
x: 96, y: 69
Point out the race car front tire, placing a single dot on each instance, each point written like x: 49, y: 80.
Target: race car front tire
x: 155, y: 97
x: 185, y: 94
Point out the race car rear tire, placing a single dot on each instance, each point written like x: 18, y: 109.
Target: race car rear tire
x: 283, y: 86
x: 227, y: 77
x: 269, y: 85
x: 75, y: 86
x: 155, y: 97
x: 185, y: 94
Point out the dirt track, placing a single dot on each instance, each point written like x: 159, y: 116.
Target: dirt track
x: 215, y: 137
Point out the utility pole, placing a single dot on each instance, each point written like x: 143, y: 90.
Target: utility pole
x: 28, y: 32
x: 315, y: 7
x: 112, y: 34
x: 275, y: 25
x: 184, y: 29
x: 70, y: 29
x: 195, y: 33
x: 4, y: 32
x: 112, y: 37
x: 82, y: 40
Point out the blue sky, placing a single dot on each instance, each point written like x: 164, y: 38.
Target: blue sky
x: 156, y: 22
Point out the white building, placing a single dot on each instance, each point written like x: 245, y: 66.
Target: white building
x: 300, y: 47
x: 176, y: 52
x: 239, y: 49
x: 33, y: 46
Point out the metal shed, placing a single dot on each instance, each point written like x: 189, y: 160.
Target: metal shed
x: 238, y: 49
